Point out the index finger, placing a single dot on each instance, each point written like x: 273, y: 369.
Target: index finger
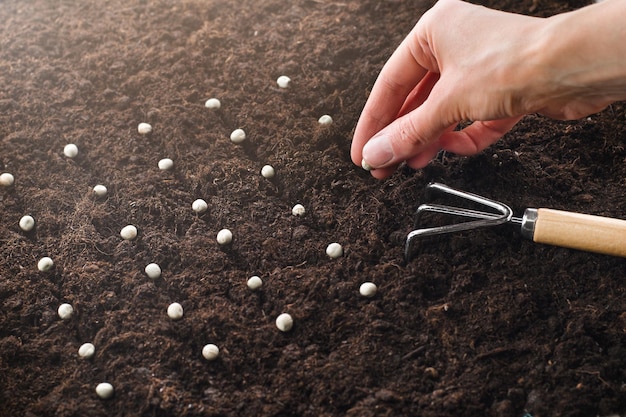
x: 398, y: 78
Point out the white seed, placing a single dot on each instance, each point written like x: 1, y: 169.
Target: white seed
x: 45, y: 264
x: 175, y: 311
x: 224, y: 237
x: 325, y: 120
x: 27, y: 223
x: 238, y: 136
x: 268, y: 171
x: 254, y: 283
x: 283, y: 81
x: 284, y: 322
x: 100, y: 190
x: 298, y: 210
x: 128, y: 232
x: 153, y: 271
x: 334, y: 250
x: 6, y: 179
x: 104, y: 390
x: 213, y: 104
x: 365, y: 165
x: 210, y: 352
x: 144, y: 128
x: 166, y: 164
x: 86, y: 350
x: 368, y: 289
x: 65, y: 311
x: 199, y: 206
x: 70, y: 150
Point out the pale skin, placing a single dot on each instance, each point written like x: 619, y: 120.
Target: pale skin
x: 490, y: 68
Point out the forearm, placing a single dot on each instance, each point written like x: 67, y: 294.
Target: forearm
x: 584, y: 58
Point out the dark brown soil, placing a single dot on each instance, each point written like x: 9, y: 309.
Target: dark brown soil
x: 478, y: 324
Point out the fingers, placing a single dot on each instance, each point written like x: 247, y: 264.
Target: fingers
x: 476, y: 136
x: 398, y: 78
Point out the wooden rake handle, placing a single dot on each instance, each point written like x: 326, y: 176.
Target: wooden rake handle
x: 580, y: 231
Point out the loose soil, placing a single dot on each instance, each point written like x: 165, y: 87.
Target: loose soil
x: 480, y: 323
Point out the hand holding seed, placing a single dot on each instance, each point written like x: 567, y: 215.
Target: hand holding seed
x: 482, y: 72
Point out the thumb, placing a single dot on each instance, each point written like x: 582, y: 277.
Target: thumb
x: 406, y: 137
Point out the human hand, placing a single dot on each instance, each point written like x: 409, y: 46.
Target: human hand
x: 463, y: 62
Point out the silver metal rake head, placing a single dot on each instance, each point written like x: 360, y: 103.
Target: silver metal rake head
x: 499, y: 214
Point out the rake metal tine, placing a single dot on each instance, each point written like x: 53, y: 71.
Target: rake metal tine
x: 482, y: 219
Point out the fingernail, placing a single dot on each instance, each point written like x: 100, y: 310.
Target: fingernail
x: 377, y: 152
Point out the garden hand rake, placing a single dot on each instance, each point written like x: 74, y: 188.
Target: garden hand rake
x: 554, y: 227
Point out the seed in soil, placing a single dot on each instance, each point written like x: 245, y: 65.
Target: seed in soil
x: 334, y: 250
x: 175, y: 311
x: 298, y: 210
x: 128, y: 232
x: 283, y: 81
x: 144, y: 128
x: 238, y: 136
x: 199, y: 206
x: 212, y: 104
x: 104, y: 390
x: 27, y: 223
x: 166, y: 164
x: 86, y: 350
x: 100, y: 190
x: 65, y: 311
x: 6, y: 179
x: 268, y: 171
x: 254, y: 283
x: 210, y: 352
x: 45, y: 264
x: 325, y: 120
x: 368, y: 289
x: 70, y: 150
x: 153, y: 271
x: 224, y: 237
x: 284, y: 322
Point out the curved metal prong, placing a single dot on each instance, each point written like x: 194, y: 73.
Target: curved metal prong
x: 481, y: 218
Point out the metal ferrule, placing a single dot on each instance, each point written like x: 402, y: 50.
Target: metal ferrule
x: 528, y: 223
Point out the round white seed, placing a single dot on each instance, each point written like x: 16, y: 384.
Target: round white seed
x: 6, y: 179
x: 27, y: 223
x: 210, y: 352
x: 224, y: 237
x: 153, y: 271
x: 365, y: 165
x: 86, y: 350
x: 175, y: 311
x: 268, y: 171
x: 283, y: 81
x: 100, y: 190
x: 199, y: 206
x: 284, y: 322
x: 254, y: 283
x: 334, y: 250
x: 238, y: 136
x: 70, y: 150
x: 104, y: 390
x: 144, y: 128
x: 325, y: 120
x: 212, y: 104
x: 65, y: 311
x: 45, y: 264
x: 128, y: 232
x: 368, y: 289
x: 166, y: 164
x: 298, y: 210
